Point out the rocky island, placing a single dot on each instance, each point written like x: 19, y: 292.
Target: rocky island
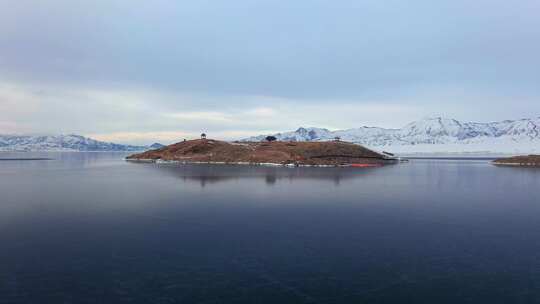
x: 525, y: 160
x: 334, y: 153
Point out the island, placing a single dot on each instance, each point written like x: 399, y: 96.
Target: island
x: 524, y: 160
x: 286, y: 153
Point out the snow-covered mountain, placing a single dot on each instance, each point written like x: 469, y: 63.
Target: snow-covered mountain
x: 434, y: 135
x: 63, y: 143
x: 155, y: 146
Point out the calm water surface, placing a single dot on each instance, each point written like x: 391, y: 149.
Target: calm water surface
x: 91, y: 228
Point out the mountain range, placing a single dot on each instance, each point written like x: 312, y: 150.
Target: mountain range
x: 433, y: 135
x: 430, y: 135
x: 64, y: 143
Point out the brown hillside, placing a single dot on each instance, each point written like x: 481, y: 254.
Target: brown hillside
x: 302, y: 153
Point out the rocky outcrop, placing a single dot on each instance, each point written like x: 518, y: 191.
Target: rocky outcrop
x: 279, y: 152
x: 528, y: 160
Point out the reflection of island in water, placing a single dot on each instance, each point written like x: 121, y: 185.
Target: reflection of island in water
x: 212, y: 174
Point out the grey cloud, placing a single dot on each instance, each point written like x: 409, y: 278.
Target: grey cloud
x: 281, y: 48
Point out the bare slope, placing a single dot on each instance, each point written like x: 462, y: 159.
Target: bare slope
x: 302, y: 153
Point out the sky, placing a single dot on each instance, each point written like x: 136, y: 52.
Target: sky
x: 138, y: 72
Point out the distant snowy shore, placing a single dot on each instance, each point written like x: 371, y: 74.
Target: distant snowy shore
x: 486, y: 148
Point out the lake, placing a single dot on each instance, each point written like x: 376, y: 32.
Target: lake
x: 92, y: 228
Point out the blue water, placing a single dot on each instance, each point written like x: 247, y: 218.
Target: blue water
x: 91, y: 228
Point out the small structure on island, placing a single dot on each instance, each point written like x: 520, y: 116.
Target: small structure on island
x: 203, y: 135
x: 337, y: 138
x: 270, y: 138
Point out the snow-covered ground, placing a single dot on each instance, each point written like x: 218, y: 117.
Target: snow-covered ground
x: 434, y: 135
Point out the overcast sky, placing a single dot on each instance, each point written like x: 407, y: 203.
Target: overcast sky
x: 144, y: 71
